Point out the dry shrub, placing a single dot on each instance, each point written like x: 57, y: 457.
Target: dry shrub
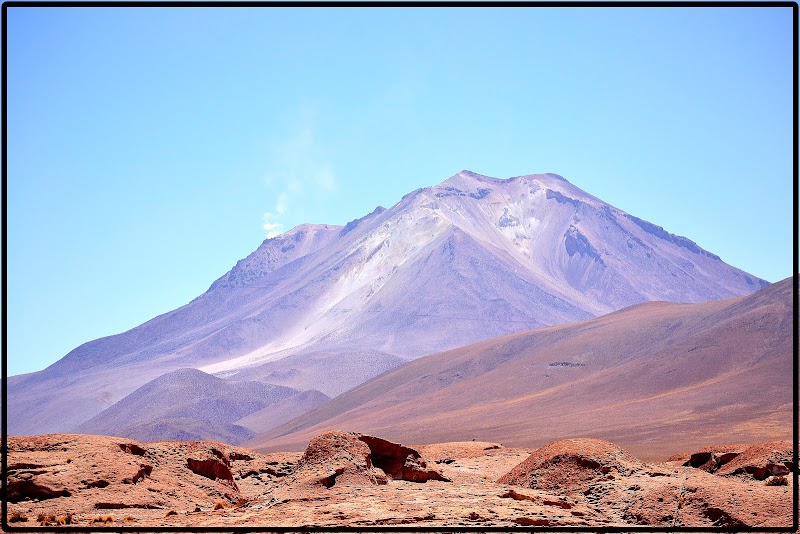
x: 219, y: 505
x: 129, y: 518
x: 779, y: 480
x: 46, y: 520
x: 17, y: 517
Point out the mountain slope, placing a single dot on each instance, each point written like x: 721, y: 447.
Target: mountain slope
x: 188, y: 404
x: 466, y: 260
x: 650, y: 376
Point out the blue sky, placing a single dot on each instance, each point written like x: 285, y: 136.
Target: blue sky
x: 149, y: 148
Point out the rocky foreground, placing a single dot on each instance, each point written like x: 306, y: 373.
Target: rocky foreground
x: 348, y: 479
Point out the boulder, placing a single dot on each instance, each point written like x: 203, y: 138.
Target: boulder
x: 356, y: 459
x: 569, y: 464
x: 761, y: 461
x: 709, y: 459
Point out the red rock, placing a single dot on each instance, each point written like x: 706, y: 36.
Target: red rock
x: 710, y: 458
x: 569, y: 464
x: 398, y: 461
x: 693, y: 497
x: 761, y: 461
x: 356, y: 459
x: 580, y: 483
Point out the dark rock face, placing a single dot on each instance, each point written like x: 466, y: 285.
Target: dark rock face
x: 480, y: 193
x: 354, y: 223
x: 758, y: 461
x: 143, y: 471
x: 212, y: 468
x: 562, y: 199
x: 681, y: 241
x: 400, y: 462
x: 711, y: 461
x: 507, y: 219
x: 19, y: 490
x: 577, y: 243
x: 132, y: 448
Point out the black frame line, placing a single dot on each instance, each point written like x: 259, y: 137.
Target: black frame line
x: 376, y: 4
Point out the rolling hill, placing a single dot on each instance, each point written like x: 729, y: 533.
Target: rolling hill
x: 651, y: 377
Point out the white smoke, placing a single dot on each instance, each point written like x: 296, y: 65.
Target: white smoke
x: 302, y: 179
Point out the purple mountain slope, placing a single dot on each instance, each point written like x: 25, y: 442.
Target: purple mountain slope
x: 188, y: 404
x: 467, y: 260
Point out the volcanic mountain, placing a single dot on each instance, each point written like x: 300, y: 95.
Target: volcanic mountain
x: 327, y: 307
x: 650, y: 376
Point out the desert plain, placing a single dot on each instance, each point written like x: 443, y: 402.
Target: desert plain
x: 346, y: 479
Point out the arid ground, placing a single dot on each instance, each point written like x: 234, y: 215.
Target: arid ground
x: 349, y: 479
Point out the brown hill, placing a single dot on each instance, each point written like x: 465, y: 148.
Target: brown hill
x: 655, y: 378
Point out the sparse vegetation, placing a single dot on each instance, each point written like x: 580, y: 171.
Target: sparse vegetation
x: 102, y: 519
x: 17, y: 517
x: 129, y: 518
x: 46, y: 520
x: 779, y: 480
x: 219, y: 505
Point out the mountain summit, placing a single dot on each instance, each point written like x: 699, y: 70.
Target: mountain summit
x: 327, y: 307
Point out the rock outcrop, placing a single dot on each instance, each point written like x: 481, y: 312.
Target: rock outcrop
x: 213, y: 464
x: 710, y: 458
x: 570, y: 464
x: 682, y: 492
x: 760, y: 461
x: 79, y: 472
x: 351, y: 480
x: 355, y: 459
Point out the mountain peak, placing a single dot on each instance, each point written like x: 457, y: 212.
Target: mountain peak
x: 475, y: 176
x: 468, y: 180
x: 463, y: 261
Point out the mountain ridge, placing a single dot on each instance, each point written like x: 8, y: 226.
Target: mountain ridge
x: 469, y: 259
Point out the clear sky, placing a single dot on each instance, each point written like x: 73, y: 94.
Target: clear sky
x: 151, y: 148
